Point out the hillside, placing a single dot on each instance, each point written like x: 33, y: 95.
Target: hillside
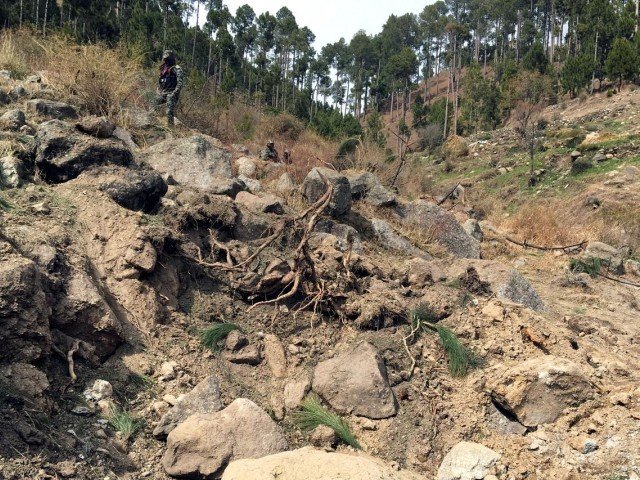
x: 169, y: 301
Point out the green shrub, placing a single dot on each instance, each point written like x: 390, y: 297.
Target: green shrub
x: 590, y: 265
x: 124, y: 422
x: 213, y: 336
x: 312, y: 414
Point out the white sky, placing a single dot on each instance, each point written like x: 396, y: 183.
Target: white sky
x: 332, y: 19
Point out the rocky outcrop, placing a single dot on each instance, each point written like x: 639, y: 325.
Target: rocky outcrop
x: 366, y: 186
x: 100, y: 127
x: 389, y: 239
x: 260, y: 204
x: 309, y: 463
x: 204, y: 399
x: 12, y: 120
x: 468, y: 461
x: 539, y: 390
x: 314, y: 187
x: 611, y: 257
x: 355, y: 382
x: 63, y: 153
x: 137, y: 189
x: 51, y: 109
x: 204, y: 444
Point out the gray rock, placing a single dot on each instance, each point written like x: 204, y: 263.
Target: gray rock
x: 600, y: 157
x: 468, y: 461
x: 379, y: 196
x: 347, y: 236
x: 235, y: 341
x: 194, y: 162
x: 392, y: 241
x: 63, y: 153
x: 137, y: 189
x: 49, y: 108
x: 246, y: 167
x: 611, y: 257
x: 249, y: 355
x: 355, y: 382
x: 472, y: 227
x: 253, y: 185
x: 503, y: 425
x: 17, y: 92
x: 576, y: 154
x: 251, y: 226
x: 539, y: 390
x: 361, y: 183
x: 263, y: 204
x: 294, y: 393
x: 12, y: 172
x: 203, y: 445
x: 285, y: 184
x: 100, y: 127
x: 12, y: 120
x: 632, y: 266
x: 204, y: 399
x: 314, y: 187
x: 439, y: 226
x: 275, y: 355
x: 26, y: 382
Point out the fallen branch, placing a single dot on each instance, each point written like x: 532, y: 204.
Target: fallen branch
x: 74, y: 349
x: 444, y: 199
x: 624, y: 282
x: 525, y: 244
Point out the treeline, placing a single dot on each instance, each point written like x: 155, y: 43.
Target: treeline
x: 478, y: 50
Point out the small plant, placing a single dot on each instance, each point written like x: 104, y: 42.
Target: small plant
x: 459, y: 358
x: 590, y: 265
x: 313, y: 414
x: 213, y: 336
x: 4, y: 205
x: 124, y: 422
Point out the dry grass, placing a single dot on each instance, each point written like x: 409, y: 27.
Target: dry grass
x: 12, y: 55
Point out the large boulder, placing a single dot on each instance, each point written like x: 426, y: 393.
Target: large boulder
x: 196, y: 162
x: 49, y: 108
x: 455, y: 146
x: 63, y: 153
x: 439, y: 226
x: 610, y: 257
x: 539, y: 390
x: 309, y: 463
x: 366, y: 186
x: 355, y: 382
x: 313, y: 188
x: 137, y: 189
x: 204, y: 398
x: 203, y: 445
x: 389, y: 239
x: 468, y: 461
x: 12, y: 120
x: 100, y: 127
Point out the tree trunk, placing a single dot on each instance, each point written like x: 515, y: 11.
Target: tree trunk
x: 21, y: 1
x: 195, y: 34
x: 44, y: 21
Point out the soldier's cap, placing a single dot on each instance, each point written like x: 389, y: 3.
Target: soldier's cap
x: 168, y: 54
x: 270, y: 142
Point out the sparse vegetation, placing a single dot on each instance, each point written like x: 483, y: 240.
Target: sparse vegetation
x: 589, y: 265
x: 124, y: 422
x: 312, y: 414
x: 213, y: 336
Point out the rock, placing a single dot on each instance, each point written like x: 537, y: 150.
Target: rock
x: 12, y: 120
x: 12, y: 172
x: 263, y: 204
x: 576, y: 154
x: 235, y: 341
x: 100, y: 127
x: 226, y: 186
x: 275, y: 355
x: 311, y: 464
x: 355, y: 382
x: 25, y: 382
x: 323, y: 437
x: 314, y: 187
x: 17, y: 92
x: 583, y: 444
x: 503, y: 425
x: 294, y: 393
x: 62, y: 153
x: 611, y: 257
x: 251, y: 226
x: 49, y: 108
x: 361, y: 183
x: 455, y: 147
x: 439, y: 226
x: 285, y: 184
x: 194, y: 162
x: 472, y: 227
x: 379, y: 196
x: 249, y: 355
x: 125, y: 137
x: 600, y: 157
x: 203, y: 399
x: 392, y: 241
x: 630, y: 266
x: 141, y: 254
x: 539, y: 390
x: 346, y: 236
x: 203, y: 445
x: 167, y: 371
x: 137, y: 189
x: 100, y: 390
x: 246, y: 167
x: 254, y: 186
x: 468, y: 461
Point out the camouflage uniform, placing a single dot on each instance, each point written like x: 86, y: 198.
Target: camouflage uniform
x: 270, y: 153
x: 171, y: 80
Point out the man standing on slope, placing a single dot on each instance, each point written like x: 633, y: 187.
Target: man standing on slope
x: 170, y: 80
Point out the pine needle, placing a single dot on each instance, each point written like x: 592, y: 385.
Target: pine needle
x: 213, y: 336
x: 312, y: 414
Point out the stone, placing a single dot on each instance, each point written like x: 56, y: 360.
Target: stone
x: 63, y: 153
x: 361, y: 183
x: 260, y: 204
x: 25, y: 382
x: 468, y: 461
x: 100, y: 127
x: 12, y: 120
x: 141, y: 255
x: 17, y: 92
x: 275, y: 355
x: 195, y: 162
x: 236, y: 340
x: 472, y: 227
x: 203, y: 399
x: 313, y: 188
x: 576, y: 154
x: 285, y: 184
x: 254, y: 186
x: 51, y: 109
x: 355, y: 382
x: 167, y: 371
x: 312, y: 464
x: 610, y: 256
x: 249, y: 355
x: 455, y: 146
x: 600, y: 157
x: 246, y: 167
x: 294, y: 393
x: 583, y: 444
x: 633, y: 267
x: 539, y: 390
x: 100, y: 390
x: 138, y: 189
x: 389, y: 239
x: 226, y: 186
x: 503, y: 425
x: 379, y: 196
x: 438, y: 225
x: 323, y: 437
x: 203, y: 445
x: 12, y: 172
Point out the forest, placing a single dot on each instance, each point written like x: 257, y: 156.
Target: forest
x: 459, y: 66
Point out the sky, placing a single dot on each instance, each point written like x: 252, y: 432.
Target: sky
x: 332, y: 19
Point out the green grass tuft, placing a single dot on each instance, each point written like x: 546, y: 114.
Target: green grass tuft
x: 4, y: 205
x: 589, y: 265
x: 313, y: 414
x: 213, y: 336
x: 124, y: 422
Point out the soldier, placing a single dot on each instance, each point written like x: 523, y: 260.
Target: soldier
x: 270, y: 153
x: 170, y: 81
